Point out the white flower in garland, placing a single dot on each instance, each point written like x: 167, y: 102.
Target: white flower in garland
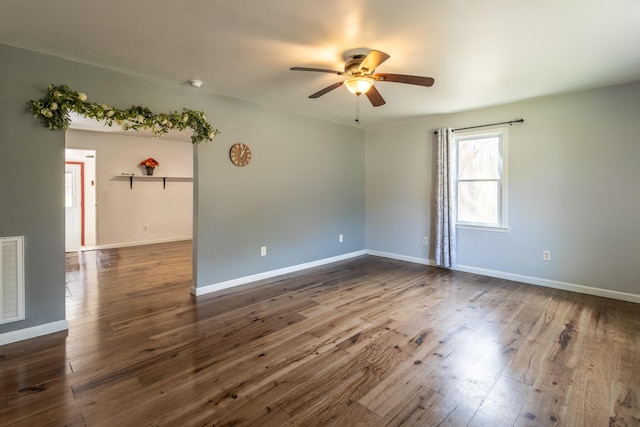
x: 54, y: 110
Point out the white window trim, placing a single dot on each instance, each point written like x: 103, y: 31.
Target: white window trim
x: 502, y: 225
x: 465, y: 226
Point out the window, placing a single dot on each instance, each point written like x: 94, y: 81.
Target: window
x: 69, y: 195
x: 481, y: 179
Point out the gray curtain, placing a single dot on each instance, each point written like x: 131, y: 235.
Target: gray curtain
x: 446, y: 200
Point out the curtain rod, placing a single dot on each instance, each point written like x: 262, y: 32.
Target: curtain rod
x: 435, y: 132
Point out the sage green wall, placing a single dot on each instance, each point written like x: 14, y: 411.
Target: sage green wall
x: 304, y: 186
x: 31, y: 204
x: 573, y: 181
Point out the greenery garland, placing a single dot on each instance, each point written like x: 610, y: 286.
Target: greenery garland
x: 54, y: 110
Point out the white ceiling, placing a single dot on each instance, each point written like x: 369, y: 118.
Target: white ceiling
x: 480, y: 52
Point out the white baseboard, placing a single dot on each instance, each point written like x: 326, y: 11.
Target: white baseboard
x: 582, y: 289
x: 33, y: 332
x: 202, y: 290
x: 607, y: 293
x: 141, y: 243
x: 414, y: 260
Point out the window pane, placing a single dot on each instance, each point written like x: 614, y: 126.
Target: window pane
x: 479, y: 158
x: 69, y: 194
x: 478, y: 202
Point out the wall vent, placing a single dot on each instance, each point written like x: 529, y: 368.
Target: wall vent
x: 11, y: 279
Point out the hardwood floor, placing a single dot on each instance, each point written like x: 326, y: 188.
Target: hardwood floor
x: 364, y: 342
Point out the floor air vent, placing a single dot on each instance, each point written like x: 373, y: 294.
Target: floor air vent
x: 11, y: 279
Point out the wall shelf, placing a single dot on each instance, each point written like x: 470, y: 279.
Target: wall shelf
x: 154, y: 177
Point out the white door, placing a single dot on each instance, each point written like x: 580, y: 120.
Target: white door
x: 73, y: 206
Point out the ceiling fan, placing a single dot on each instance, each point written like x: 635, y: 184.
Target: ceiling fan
x: 360, y: 76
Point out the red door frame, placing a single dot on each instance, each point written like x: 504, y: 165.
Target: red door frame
x: 81, y: 198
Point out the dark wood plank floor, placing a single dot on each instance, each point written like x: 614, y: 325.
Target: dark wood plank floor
x: 364, y: 342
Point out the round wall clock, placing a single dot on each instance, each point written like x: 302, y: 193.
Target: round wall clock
x: 240, y: 154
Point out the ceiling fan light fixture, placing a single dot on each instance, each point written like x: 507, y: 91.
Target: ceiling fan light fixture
x: 358, y: 85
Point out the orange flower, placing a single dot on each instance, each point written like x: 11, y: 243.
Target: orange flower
x: 150, y: 163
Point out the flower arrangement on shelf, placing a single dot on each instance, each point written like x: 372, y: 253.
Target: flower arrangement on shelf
x: 54, y: 110
x: 150, y: 164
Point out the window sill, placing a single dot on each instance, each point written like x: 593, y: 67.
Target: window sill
x: 483, y: 228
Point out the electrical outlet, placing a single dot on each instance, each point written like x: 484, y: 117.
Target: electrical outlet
x: 340, y: 238
x: 145, y: 227
x: 546, y: 255
x: 425, y: 241
x: 263, y: 251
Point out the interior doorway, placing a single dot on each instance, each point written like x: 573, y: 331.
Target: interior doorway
x: 73, y: 206
x: 80, y: 199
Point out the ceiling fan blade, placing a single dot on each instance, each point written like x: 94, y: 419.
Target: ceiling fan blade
x: 326, y: 90
x: 372, y: 60
x: 375, y: 97
x: 403, y: 78
x: 319, y: 70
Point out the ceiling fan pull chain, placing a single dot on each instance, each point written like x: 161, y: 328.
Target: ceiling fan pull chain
x: 358, y: 108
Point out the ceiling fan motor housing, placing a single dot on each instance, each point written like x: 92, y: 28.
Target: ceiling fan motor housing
x: 351, y: 66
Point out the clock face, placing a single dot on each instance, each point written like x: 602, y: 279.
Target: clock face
x: 240, y: 154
